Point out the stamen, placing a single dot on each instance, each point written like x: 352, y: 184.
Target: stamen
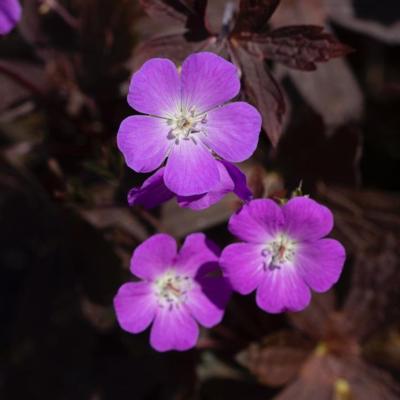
x: 279, y: 252
x: 185, y: 125
x: 171, y: 289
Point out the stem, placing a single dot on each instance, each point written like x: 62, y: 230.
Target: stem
x: 20, y: 80
x: 62, y: 12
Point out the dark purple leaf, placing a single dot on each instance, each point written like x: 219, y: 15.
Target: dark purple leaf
x: 277, y: 359
x: 263, y: 91
x: 174, y: 47
x: 165, y: 8
x: 189, y: 13
x: 300, y: 47
x: 254, y: 15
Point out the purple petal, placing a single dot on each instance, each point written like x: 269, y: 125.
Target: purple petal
x: 153, y: 256
x: 143, y: 142
x: 174, y: 329
x: 239, y: 178
x: 208, y: 81
x: 282, y: 289
x: 10, y: 14
x: 207, y: 302
x: 155, y: 88
x: 197, y: 252
x: 202, y: 201
x: 233, y: 131
x: 243, y: 265
x: 135, y: 306
x: 321, y: 263
x: 305, y: 219
x: 191, y: 169
x: 257, y: 221
x: 152, y: 192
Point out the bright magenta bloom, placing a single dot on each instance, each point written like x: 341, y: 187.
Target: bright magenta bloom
x: 188, y: 122
x: 283, y: 254
x: 10, y: 14
x: 178, y: 291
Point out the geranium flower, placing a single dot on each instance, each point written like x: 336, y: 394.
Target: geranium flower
x: 187, y: 121
x: 284, y: 254
x: 154, y: 192
x: 10, y: 13
x: 176, y: 292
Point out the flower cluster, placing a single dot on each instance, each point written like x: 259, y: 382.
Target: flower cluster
x: 283, y: 253
x: 10, y: 13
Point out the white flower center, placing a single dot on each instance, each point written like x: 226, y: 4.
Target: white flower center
x: 185, y: 124
x: 280, y: 251
x: 171, y: 289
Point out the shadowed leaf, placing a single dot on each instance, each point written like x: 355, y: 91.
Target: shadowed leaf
x: 300, y: 47
x: 263, y: 91
x: 254, y: 15
x: 277, y: 359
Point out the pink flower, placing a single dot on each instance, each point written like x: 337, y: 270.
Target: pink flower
x: 178, y: 291
x: 10, y: 14
x: 153, y: 192
x: 187, y: 122
x: 284, y: 253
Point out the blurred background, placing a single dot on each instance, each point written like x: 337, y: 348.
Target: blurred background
x: 330, y: 102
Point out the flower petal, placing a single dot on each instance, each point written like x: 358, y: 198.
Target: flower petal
x: 174, y: 329
x: 282, y: 289
x: 321, y: 263
x: 155, y: 88
x: 10, y: 14
x: 207, y: 302
x: 143, y: 141
x: 191, y: 169
x: 243, y: 265
x: 201, y: 201
x: 208, y: 81
x: 233, y: 131
x: 152, y: 193
x: 197, y: 252
x: 305, y: 219
x: 153, y: 256
x: 239, y: 178
x: 257, y: 221
x: 135, y: 306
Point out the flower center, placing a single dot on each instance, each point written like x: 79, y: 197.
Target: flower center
x: 171, y: 289
x: 185, y: 124
x: 279, y: 251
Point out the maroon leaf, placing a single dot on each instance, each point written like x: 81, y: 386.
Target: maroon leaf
x: 264, y: 92
x: 278, y: 359
x: 300, y: 47
x: 189, y: 13
x: 254, y: 15
x: 174, y: 47
x: 165, y: 8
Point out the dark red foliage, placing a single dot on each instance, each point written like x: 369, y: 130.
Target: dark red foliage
x: 245, y: 39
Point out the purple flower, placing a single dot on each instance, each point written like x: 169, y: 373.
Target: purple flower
x: 187, y: 122
x: 177, y: 291
x: 154, y: 192
x: 10, y: 13
x: 284, y: 254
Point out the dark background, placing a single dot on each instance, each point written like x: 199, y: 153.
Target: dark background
x: 66, y: 232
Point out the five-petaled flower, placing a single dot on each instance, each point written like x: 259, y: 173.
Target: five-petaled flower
x: 188, y: 122
x: 10, y: 13
x: 177, y: 289
x: 284, y: 254
x: 154, y: 192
